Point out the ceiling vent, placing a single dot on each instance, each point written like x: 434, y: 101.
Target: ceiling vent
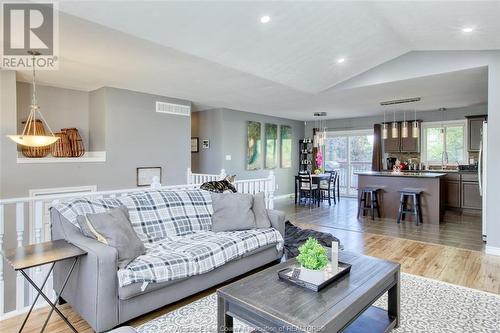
x: 401, y: 101
x: 172, y: 108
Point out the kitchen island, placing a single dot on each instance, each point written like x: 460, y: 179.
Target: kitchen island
x: 391, y: 183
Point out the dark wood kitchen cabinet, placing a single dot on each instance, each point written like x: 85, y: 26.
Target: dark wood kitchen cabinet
x: 392, y: 144
x: 399, y: 144
x: 461, y: 191
x: 410, y: 144
x: 452, y: 194
x: 452, y: 190
x: 474, y: 132
x: 471, y: 198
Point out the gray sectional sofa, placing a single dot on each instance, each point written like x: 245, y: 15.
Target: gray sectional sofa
x: 97, y: 290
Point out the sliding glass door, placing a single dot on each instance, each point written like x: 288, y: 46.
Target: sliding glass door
x: 349, y: 152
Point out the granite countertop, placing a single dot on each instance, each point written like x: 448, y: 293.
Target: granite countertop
x: 402, y: 174
x: 438, y: 171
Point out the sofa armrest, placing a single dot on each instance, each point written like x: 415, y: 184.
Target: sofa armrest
x: 277, y: 218
x: 93, y: 287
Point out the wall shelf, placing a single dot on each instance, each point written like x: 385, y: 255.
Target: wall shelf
x: 88, y: 157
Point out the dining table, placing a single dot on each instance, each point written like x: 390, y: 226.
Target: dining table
x: 316, y: 179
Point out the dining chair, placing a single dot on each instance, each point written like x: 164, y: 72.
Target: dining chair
x: 325, y: 188
x: 307, y: 190
x: 332, y: 186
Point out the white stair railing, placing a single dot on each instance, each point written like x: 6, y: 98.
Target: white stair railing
x: 200, y: 178
x: 39, y: 231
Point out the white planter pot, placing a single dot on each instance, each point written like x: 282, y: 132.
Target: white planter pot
x: 312, y: 276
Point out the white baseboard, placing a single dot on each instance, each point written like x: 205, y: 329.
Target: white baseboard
x: 492, y: 250
x: 284, y: 196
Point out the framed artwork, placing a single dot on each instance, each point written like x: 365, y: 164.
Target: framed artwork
x: 195, y: 145
x: 145, y: 175
x: 205, y: 144
x: 286, y: 146
x: 271, y: 137
x: 254, y: 145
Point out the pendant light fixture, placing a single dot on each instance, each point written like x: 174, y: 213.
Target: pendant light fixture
x: 385, y: 129
x: 394, y: 131
x: 415, y: 128
x: 320, y: 132
x: 29, y: 135
x: 404, y: 126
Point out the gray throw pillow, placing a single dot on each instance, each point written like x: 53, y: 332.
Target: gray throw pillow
x: 113, y: 228
x: 260, y: 211
x: 232, y: 211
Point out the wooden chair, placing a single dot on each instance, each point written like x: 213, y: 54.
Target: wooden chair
x: 307, y: 190
x: 334, y: 185
x: 327, y: 188
x: 337, y: 185
x: 414, y: 209
x: 368, y: 200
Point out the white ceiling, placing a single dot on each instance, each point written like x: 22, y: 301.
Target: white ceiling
x: 218, y: 54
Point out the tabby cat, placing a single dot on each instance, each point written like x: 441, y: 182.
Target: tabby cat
x: 220, y: 186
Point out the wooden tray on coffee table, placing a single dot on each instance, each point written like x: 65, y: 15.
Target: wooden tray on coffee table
x: 292, y: 275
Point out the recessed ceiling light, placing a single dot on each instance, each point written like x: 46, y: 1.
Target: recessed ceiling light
x: 468, y: 30
x: 265, y: 19
x: 340, y: 60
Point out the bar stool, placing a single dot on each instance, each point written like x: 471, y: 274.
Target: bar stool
x: 368, y: 200
x: 415, y: 208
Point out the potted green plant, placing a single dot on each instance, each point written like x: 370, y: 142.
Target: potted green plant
x: 313, y: 261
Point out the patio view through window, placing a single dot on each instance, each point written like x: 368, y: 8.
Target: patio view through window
x: 446, y: 136
x: 349, y: 152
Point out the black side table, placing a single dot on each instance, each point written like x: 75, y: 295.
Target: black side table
x: 30, y: 256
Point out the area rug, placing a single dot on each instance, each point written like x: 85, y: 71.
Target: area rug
x: 426, y: 306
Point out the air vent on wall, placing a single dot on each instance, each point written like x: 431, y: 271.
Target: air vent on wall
x: 171, y: 108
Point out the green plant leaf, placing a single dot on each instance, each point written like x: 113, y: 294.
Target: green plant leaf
x: 312, y: 255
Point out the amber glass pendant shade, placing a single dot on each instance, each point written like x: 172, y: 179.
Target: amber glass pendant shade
x: 31, y: 135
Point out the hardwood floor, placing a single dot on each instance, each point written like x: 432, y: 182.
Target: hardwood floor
x: 462, y: 266
x: 458, y: 230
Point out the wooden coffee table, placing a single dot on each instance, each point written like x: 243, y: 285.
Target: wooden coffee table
x: 267, y: 303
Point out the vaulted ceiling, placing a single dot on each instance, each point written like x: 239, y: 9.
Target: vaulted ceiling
x: 219, y: 54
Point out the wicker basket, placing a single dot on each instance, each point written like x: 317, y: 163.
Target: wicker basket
x: 62, y: 147
x: 36, y: 152
x: 77, y: 147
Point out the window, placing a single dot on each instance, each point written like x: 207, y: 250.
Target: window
x: 440, y: 137
x: 349, y: 152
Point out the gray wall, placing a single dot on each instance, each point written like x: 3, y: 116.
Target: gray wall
x: 97, y: 120
x: 230, y: 128
x: 207, y: 125
x: 127, y: 127
x: 138, y: 136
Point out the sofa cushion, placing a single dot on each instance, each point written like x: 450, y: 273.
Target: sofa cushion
x: 183, y: 256
x: 136, y: 289
x: 232, y: 211
x: 154, y: 214
x: 113, y: 228
x: 259, y: 209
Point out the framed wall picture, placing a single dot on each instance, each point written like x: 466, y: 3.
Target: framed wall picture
x: 145, y: 175
x: 271, y: 137
x: 286, y: 146
x: 206, y: 144
x: 254, y: 144
x: 195, y: 145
